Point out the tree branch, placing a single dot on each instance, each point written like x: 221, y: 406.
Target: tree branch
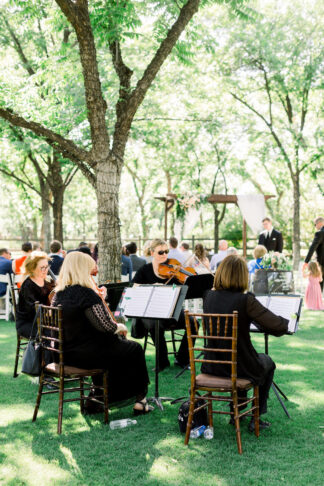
x: 19, y: 49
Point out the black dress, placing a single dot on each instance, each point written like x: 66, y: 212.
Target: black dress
x: 30, y: 293
x: 146, y: 275
x: 90, y: 342
x: 257, y: 367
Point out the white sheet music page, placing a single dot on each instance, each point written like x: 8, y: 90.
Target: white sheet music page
x: 286, y: 307
x: 136, y: 300
x: 163, y: 301
x: 264, y: 300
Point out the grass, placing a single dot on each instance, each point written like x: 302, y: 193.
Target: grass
x: 152, y: 452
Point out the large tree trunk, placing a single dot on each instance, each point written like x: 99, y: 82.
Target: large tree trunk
x: 296, y: 222
x: 47, y: 221
x: 58, y: 197
x: 109, y: 241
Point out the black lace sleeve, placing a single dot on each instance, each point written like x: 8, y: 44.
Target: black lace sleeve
x: 99, y: 318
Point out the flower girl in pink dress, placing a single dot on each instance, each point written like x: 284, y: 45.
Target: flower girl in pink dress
x: 313, y: 294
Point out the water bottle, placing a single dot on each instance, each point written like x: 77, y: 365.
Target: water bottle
x: 121, y: 424
x: 209, y: 433
x: 197, y: 432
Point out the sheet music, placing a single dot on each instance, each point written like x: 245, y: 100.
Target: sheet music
x: 163, y: 301
x: 135, y: 300
x: 286, y: 307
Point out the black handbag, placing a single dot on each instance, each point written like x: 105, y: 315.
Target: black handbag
x: 32, y: 357
x: 31, y: 361
x: 199, y: 418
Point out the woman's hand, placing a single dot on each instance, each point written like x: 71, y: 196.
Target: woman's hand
x: 121, y: 329
x: 103, y: 292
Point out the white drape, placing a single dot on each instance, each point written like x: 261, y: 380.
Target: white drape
x: 252, y: 207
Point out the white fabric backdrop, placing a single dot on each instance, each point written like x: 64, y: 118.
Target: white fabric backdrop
x: 252, y: 207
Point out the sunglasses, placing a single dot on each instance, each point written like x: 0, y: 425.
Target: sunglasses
x: 162, y: 252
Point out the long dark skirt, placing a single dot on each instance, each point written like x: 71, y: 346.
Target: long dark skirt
x: 125, y: 361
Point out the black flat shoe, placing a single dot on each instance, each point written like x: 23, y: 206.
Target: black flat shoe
x: 146, y: 408
x: 263, y: 424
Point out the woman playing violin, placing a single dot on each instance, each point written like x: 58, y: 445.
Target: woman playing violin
x: 150, y: 273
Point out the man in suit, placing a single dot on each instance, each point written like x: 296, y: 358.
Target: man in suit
x: 270, y: 238
x: 317, y: 246
x: 137, y: 262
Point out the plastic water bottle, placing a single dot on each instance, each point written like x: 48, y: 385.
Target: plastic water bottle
x: 209, y: 433
x: 197, y: 432
x: 121, y: 424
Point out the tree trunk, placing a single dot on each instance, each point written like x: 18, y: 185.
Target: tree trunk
x: 47, y: 220
x: 58, y: 197
x: 216, y: 228
x: 296, y: 222
x: 109, y: 241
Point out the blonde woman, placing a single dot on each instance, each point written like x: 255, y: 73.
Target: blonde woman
x: 258, y: 253
x: 35, y: 288
x: 92, y: 337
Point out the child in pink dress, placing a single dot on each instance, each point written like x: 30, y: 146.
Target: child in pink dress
x: 313, y: 294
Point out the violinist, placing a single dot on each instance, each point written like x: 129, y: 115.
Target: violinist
x: 150, y: 273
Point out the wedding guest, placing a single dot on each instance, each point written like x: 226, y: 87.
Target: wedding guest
x: 27, y: 248
x: 317, y: 246
x: 126, y: 264
x: 184, y: 247
x: 270, y: 238
x: 174, y: 253
x: 137, y: 262
x: 218, y: 257
x: 313, y: 294
x: 258, y: 254
x: 5, y: 267
x: 56, y: 256
x: 199, y: 260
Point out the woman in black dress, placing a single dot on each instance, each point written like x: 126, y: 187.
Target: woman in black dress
x: 148, y: 274
x: 228, y: 295
x: 35, y: 288
x: 92, y: 338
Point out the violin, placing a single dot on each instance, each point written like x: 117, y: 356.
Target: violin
x: 172, y: 269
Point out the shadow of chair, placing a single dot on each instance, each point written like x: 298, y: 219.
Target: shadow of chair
x: 218, y: 334
x: 50, y: 332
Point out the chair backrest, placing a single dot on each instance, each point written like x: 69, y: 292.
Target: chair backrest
x: 14, y: 291
x: 50, y: 331
x: 216, y: 338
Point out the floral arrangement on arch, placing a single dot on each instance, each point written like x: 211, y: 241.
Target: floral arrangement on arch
x: 188, y: 201
x: 276, y: 260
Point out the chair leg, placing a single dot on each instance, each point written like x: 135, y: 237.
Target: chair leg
x: 105, y: 394
x: 82, y: 395
x: 173, y: 342
x: 256, y: 411
x: 210, y: 411
x: 39, y: 396
x: 60, y: 410
x: 17, y: 356
x: 237, y: 421
x: 190, y: 416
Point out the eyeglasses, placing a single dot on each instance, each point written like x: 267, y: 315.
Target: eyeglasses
x: 44, y: 268
x: 162, y: 252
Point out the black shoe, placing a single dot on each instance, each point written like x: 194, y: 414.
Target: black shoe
x: 51, y: 384
x: 90, y: 407
x: 263, y: 424
x: 181, y: 365
x: 232, y: 421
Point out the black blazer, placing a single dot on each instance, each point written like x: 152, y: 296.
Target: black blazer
x: 318, y: 246
x: 249, y: 309
x: 274, y: 243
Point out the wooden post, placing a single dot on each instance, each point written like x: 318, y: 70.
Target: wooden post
x: 166, y: 220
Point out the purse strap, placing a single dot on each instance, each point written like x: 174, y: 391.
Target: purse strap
x: 34, y: 321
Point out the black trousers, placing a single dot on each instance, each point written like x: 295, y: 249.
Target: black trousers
x: 264, y: 387
x: 182, y: 355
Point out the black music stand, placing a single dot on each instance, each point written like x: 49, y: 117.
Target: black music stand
x: 175, y: 315
x: 258, y: 329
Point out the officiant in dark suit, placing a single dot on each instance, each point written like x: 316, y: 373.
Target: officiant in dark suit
x: 317, y: 245
x: 270, y: 238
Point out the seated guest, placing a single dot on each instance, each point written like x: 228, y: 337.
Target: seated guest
x: 174, y: 252
x: 92, y: 337
x: 34, y: 288
x: 147, y: 252
x: 184, y: 247
x: 218, y: 257
x: 5, y: 267
x: 27, y: 248
x: 149, y: 274
x: 56, y: 256
x: 137, y: 262
x: 126, y: 264
x: 228, y: 295
x: 258, y: 253
x: 199, y: 260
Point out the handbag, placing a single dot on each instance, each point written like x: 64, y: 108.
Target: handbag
x: 32, y: 357
x: 199, y: 418
x: 31, y: 361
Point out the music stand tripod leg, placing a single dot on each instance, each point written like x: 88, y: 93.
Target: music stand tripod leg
x: 273, y: 386
x: 157, y: 399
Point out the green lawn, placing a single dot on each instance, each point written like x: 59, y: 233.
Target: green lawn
x: 152, y: 452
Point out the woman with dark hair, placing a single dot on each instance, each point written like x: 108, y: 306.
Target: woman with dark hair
x: 199, y: 260
x: 35, y: 288
x: 227, y: 295
x: 92, y: 338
